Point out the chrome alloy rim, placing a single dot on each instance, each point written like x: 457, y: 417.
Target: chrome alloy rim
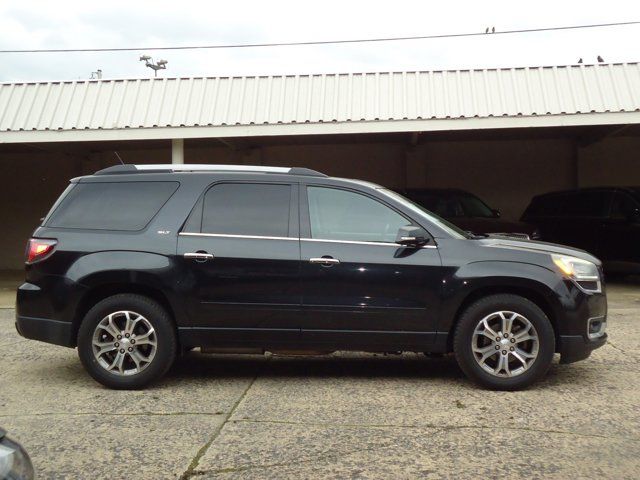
x: 505, y: 344
x: 124, y: 343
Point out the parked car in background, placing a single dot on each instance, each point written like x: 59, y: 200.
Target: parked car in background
x: 468, y: 212
x: 137, y: 263
x: 15, y: 463
x: 603, y: 221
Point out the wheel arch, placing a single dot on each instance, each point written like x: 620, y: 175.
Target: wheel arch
x: 100, y: 292
x: 531, y: 294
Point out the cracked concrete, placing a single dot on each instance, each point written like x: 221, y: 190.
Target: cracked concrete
x: 344, y: 415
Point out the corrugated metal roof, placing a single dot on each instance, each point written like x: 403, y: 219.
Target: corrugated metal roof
x: 275, y: 100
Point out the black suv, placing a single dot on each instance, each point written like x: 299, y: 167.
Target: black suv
x: 136, y: 264
x: 604, y: 221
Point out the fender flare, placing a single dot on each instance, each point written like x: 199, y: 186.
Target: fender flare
x: 474, y: 280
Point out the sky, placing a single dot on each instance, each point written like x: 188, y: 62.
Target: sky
x: 136, y: 23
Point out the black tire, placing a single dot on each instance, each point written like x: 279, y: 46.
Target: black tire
x: 473, y: 315
x: 165, y: 333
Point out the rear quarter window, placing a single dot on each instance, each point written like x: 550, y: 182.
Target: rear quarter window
x: 111, y: 206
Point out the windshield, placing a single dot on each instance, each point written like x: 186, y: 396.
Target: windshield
x: 450, y: 228
x: 472, y: 206
x: 636, y: 192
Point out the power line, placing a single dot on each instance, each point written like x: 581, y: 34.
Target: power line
x: 322, y: 42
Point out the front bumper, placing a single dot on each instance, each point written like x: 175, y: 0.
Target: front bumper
x: 582, y: 323
x: 574, y: 348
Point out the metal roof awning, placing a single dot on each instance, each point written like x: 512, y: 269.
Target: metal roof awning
x: 141, y: 109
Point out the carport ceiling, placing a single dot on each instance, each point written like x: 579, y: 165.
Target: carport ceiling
x: 582, y: 135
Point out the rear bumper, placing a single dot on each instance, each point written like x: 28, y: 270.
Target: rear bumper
x: 46, y: 330
x: 574, y: 348
x: 45, y: 309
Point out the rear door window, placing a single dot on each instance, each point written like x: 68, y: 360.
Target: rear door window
x: 247, y: 209
x: 111, y: 206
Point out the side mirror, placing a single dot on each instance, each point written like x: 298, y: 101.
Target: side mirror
x: 412, y: 236
x: 496, y: 213
x: 634, y: 216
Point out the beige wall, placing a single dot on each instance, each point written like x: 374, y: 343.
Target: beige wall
x: 612, y: 161
x: 30, y: 183
x: 505, y: 173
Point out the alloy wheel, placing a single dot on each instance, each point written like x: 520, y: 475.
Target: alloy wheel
x: 124, y: 343
x: 505, y: 344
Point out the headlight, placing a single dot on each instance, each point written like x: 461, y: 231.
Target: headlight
x: 14, y: 461
x: 583, y: 272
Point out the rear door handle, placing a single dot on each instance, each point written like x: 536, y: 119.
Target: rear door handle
x: 198, y: 256
x: 325, y: 261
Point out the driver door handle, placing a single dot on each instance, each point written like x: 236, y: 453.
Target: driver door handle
x: 325, y: 261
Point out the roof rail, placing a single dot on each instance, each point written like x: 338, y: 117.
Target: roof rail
x: 161, y: 168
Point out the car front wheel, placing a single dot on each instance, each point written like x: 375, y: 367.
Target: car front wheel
x: 127, y: 341
x: 504, y: 342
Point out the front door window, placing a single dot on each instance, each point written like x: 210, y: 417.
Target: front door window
x: 343, y: 215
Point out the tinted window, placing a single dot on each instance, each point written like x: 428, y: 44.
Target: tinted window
x: 247, y: 209
x: 445, y: 206
x: 577, y: 204
x: 474, y: 207
x: 341, y: 215
x: 448, y: 204
x: 546, y: 206
x: 111, y: 206
x: 428, y: 201
x: 624, y: 207
x: 587, y: 204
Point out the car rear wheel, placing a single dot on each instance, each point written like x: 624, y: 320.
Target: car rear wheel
x: 504, y: 342
x: 127, y: 341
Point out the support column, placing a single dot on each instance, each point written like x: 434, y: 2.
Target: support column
x: 177, y: 151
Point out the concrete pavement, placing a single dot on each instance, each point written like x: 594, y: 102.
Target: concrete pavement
x: 344, y: 415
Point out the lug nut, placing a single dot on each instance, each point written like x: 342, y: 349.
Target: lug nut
x: 116, y: 344
x: 132, y: 341
x: 127, y: 335
x: 131, y: 349
x: 119, y: 337
x: 122, y: 350
x: 512, y: 349
x: 513, y: 340
x: 497, y: 339
x: 497, y: 347
x: 504, y: 352
x: 506, y: 335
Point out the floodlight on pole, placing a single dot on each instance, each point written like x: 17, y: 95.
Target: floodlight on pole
x: 155, y: 66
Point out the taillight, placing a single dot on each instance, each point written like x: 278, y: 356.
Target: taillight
x: 39, y: 248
